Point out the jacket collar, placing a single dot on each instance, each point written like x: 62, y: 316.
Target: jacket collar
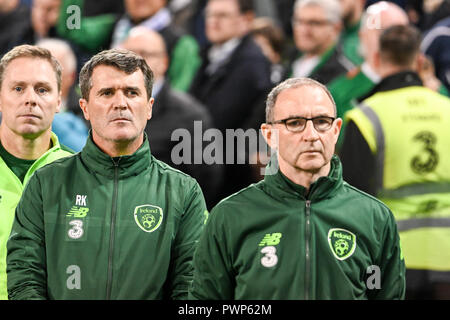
x: 324, y: 187
x: 396, y: 81
x: 101, y: 163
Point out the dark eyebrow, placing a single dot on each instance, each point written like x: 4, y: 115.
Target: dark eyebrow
x: 297, y: 116
x: 102, y: 90
x: 133, y: 89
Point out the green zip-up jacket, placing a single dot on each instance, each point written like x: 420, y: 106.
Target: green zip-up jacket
x: 11, y: 189
x: 95, y: 227
x: 273, y: 241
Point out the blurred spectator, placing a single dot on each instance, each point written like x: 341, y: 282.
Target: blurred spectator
x: 346, y: 89
x: 233, y: 79
x: 349, y: 41
x: 270, y: 39
x: 99, y: 7
x: 415, y: 12
x: 70, y: 128
x: 109, y: 30
x: 14, y: 23
x: 401, y: 138
x: 436, y: 45
x: 317, y: 25
x: 173, y: 110
x: 196, y: 22
x: 285, y: 10
x: 44, y: 17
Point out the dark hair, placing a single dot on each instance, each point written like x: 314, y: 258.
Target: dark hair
x: 29, y: 51
x: 246, y: 6
x: 266, y: 27
x: 124, y: 60
x: 400, y: 44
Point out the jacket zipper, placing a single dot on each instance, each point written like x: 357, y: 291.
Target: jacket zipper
x: 308, y: 254
x: 111, y: 233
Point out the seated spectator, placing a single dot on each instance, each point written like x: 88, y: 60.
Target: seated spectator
x: 317, y: 25
x: 270, y: 39
x: 109, y: 30
x: 173, y: 110
x: 233, y: 79
x: 70, y: 128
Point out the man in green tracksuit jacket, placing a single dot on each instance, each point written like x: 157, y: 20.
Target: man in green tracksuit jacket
x: 30, y: 94
x: 301, y: 233
x: 111, y: 222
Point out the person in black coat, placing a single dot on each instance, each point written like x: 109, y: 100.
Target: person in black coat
x: 233, y: 80
x: 178, y: 120
x: 234, y: 74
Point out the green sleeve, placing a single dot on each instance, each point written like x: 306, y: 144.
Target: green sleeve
x: 213, y: 278
x: 189, y: 230
x: 184, y: 63
x: 26, y: 259
x: 391, y: 265
x: 443, y: 90
x: 93, y: 34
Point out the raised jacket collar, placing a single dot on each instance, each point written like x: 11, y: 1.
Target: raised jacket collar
x: 101, y: 163
x: 324, y: 187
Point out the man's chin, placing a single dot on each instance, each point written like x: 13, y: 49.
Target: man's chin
x: 311, y: 165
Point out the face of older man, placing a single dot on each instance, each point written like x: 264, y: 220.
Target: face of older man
x: 118, y: 107
x: 313, y: 32
x: 309, y: 150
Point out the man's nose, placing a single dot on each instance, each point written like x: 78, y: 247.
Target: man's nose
x: 30, y: 97
x: 120, y: 100
x: 310, y: 133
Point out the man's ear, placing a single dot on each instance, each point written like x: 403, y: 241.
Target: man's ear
x: 337, y: 127
x: 150, y: 108
x: 84, y: 108
x: 58, y: 107
x: 376, y: 59
x: 270, y: 135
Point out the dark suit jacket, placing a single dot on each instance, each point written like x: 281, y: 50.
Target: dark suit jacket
x: 237, y: 88
x: 174, y: 110
x: 235, y: 96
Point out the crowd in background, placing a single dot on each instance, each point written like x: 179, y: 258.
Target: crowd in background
x: 227, y: 86
x: 215, y: 61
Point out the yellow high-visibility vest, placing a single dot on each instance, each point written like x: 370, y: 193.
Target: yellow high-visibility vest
x: 408, y: 131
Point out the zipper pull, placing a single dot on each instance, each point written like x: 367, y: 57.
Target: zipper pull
x: 308, y: 207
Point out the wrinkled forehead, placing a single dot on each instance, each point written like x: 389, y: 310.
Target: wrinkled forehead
x: 305, y: 101
x: 29, y: 69
x: 106, y: 76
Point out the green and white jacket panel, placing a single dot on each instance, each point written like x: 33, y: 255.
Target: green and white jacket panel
x: 407, y: 130
x: 11, y: 189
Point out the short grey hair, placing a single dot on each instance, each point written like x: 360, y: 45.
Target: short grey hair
x: 290, y: 84
x: 332, y: 8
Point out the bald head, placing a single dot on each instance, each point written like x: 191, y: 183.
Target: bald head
x: 378, y: 17
x: 66, y: 58
x: 151, y: 46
